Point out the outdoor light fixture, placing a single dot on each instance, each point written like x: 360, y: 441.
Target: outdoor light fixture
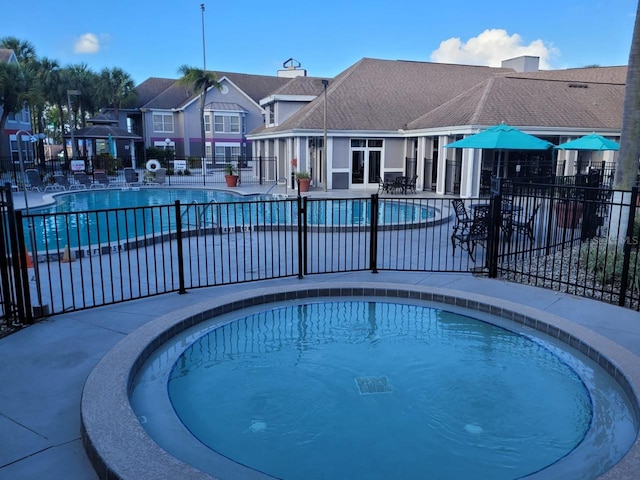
x: 32, y: 139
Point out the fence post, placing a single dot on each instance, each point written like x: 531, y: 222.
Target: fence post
x: 373, y: 233
x: 628, y: 242
x: 20, y: 268
x: 181, y: 288
x: 302, y: 235
x: 260, y: 169
x: 495, y: 220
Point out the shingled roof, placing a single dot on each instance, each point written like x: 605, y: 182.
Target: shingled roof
x: 380, y: 95
x: 531, y: 102
x: 5, y: 55
x: 165, y: 93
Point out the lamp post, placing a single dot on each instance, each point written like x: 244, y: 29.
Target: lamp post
x: 324, y: 142
x: 204, y: 57
x: 76, y: 93
x: 32, y: 138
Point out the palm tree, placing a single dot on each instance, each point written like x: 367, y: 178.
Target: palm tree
x: 627, y: 163
x: 200, y: 80
x: 24, y: 50
x: 116, y: 88
x: 14, y: 91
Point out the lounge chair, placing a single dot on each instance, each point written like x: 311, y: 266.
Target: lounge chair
x: 83, y: 179
x: 131, y: 177
x: 159, y: 177
x: 35, y: 181
x: 101, y: 178
x: 63, y: 183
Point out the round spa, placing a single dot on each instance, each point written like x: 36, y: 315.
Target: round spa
x: 362, y: 383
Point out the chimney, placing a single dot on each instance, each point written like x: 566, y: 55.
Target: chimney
x: 292, y: 69
x: 524, y: 63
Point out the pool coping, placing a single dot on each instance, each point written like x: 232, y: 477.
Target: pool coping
x: 119, y: 447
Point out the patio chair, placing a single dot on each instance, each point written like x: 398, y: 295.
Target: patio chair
x: 384, y: 186
x: 83, y: 179
x: 523, y: 225
x: 159, y: 177
x: 63, y: 183
x: 463, y: 220
x: 100, y: 179
x: 131, y: 177
x: 35, y: 181
x: 476, y: 233
x: 411, y: 184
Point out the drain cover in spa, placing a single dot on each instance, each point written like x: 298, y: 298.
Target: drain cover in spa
x: 369, y: 385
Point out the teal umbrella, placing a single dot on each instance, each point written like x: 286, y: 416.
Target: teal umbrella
x: 112, y: 146
x: 502, y: 137
x: 593, y: 142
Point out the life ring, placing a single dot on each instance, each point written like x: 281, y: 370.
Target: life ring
x: 153, y: 165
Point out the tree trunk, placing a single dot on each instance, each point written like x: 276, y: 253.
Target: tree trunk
x: 627, y: 164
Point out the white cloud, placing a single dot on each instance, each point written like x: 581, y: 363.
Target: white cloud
x: 490, y: 48
x: 87, y: 43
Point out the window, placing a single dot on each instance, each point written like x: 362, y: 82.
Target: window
x: 162, y: 123
x: 235, y: 124
x: 218, y: 123
x: 272, y: 114
x: 207, y: 122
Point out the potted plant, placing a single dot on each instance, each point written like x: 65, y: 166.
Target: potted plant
x: 304, y: 179
x: 230, y: 175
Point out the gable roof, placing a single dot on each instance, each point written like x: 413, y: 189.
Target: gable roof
x: 616, y: 75
x: 531, y: 102
x: 7, y: 56
x: 379, y: 95
x: 167, y: 94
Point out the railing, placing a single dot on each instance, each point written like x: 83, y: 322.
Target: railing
x: 211, y: 171
x: 554, y: 237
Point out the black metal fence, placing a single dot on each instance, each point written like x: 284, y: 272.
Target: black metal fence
x: 188, y: 172
x: 560, y: 237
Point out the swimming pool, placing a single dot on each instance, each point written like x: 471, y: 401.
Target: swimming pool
x: 294, y: 381
x: 79, y: 219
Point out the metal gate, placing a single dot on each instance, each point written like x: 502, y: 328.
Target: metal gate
x: 14, y: 267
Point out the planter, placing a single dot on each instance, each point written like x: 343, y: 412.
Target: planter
x: 303, y: 184
x: 232, y: 180
x: 569, y: 213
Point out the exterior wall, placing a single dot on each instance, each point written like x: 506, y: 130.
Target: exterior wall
x: 285, y: 110
x: 394, y: 155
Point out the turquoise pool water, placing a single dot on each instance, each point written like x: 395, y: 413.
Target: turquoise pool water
x: 110, y: 216
x: 376, y: 390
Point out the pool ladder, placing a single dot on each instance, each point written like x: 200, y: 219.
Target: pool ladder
x: 201, y: 214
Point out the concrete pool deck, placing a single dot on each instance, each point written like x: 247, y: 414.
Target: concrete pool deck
x: 44, y: 367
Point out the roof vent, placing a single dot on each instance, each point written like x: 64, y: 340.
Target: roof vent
x: 578, y: 85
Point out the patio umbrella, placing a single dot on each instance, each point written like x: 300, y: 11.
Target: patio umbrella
x: 502, y: 137
x: 593, y: 142
x: 112, y: 146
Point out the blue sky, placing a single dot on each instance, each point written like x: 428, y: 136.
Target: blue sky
x: 153, y: 38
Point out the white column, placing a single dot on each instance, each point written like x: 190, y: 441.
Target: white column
x: 442, y: 164
x: 421, y: 154
x: 470, y: 175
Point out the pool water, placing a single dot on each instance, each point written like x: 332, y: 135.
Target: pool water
x: 375, y: 390
x: 111, y: 216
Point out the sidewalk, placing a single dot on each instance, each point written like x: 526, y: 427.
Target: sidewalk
x: 44, y: 367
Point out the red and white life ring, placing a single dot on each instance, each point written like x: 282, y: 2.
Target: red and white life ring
x: 153, y: 165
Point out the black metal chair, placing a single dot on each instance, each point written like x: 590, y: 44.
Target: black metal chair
x: 463, y: 220
x: 411, y: 184
x: 523, y: 225
x: 468, y: 235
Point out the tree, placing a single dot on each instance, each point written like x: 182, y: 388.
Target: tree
x: 116, y: 88
x: 200, y: 80
x: 24, y: 50
x: 627, y: 162
x: 13, y: 91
